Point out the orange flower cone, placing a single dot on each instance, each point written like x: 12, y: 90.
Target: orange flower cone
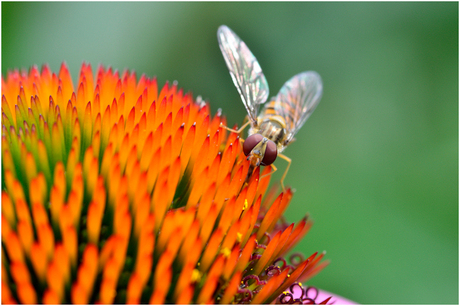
x: 115, y: 191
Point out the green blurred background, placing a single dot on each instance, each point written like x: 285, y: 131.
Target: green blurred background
x: 376, y: 165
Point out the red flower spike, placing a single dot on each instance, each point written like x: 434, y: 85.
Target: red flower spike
x: 107, y: 251
x: 153, y: 170
x: 283, y: 239
x: 63, y: 263
x: 108, y: 292
x: 299, y: 231
x: 67, y: 86
x: 269, y: 218
x: 271, y: 285
x: 211, y: 250
x: 186, y: 296
x: 214, y: 144
x: 226, y: 163
x: 245, y: 254
x: 8, y: 209
x: 14, y: 248
x: 143, y: 130
x: 198, y: 189
x: 178, y: 119
x: 146, y: 244
x: 20, y: 273
x: 162, y: 110
x: 222, y: 192
x: 291, y: 278
x: 205, y: 204
x: 134, y: 290
x: 202, y: 163
x: 267, y: 254
x: 168, y: 228
x: 254, y: 215
x: 30, y: 165
x: 160, y: 200
x: 146, y: 152
x: 166, y: 151
x: 26, y: 235
x: 46, y: 239
x: 144, y: 268
x: 207, y: 290
x: 50, y: 297
x: 190, y: 235
x: 325, y: 301
x: 231, y: 289
x: 141, y: 214
x: 39, y: 261
x: 195, y: 252
x: 132, y: 168
x: 177, y: 141
x: 230, y: 262
x: 27, y: 294
x: 157, y: 136
x: 187, y: 146
x: 55, y: 280
x: 184, y: 279
x: 207, y: 225
x: 78, y: 294
x: 231, y: 237
x: 227, y: 214
x: 201, y: 135
x: 109, y: 275
x: 287, y: 196
x: 7, y: 297
x: 241, y: 205
x: 167, y: 132
x: 151, y: 116
x: 162, y: 277
x: 69, y: 238
x: 315, y: 270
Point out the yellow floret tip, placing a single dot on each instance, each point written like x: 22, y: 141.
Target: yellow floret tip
x: 226, y: 252
x: 245, y: 206
x: 196, y: 276
x: 239, y: 237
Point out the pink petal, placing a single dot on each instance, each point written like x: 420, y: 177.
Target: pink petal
x: 322, y: 295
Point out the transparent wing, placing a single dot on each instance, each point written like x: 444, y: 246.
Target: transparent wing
x: 245, y: 71
x: 296, y: 100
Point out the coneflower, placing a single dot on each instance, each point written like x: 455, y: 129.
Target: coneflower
x: 119, y: 192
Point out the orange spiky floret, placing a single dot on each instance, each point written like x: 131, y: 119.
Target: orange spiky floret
x: 117, y: 191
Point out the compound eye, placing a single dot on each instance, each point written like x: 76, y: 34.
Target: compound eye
x: 271, y: 150
x: 270, y: 153
x: 251, y: 142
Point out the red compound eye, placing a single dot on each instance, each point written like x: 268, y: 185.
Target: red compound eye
x: 270, y: 153
x: 251, y: 142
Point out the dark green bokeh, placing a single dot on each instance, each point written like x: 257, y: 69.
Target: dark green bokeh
x: 376, y: 165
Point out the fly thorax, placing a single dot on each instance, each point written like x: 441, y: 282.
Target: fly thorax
x: 276, y: 119
x: 272, y: 129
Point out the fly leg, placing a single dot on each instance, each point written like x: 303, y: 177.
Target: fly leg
x: 275, y: 169
x: 287, y: 168
x: 270, y: 173
x: 235, y: 131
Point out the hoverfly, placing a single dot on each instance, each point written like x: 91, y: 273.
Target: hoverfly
x: 274, y: 127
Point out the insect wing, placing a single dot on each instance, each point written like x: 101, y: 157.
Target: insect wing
x: 245, y: 71
x: 296, y: 101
